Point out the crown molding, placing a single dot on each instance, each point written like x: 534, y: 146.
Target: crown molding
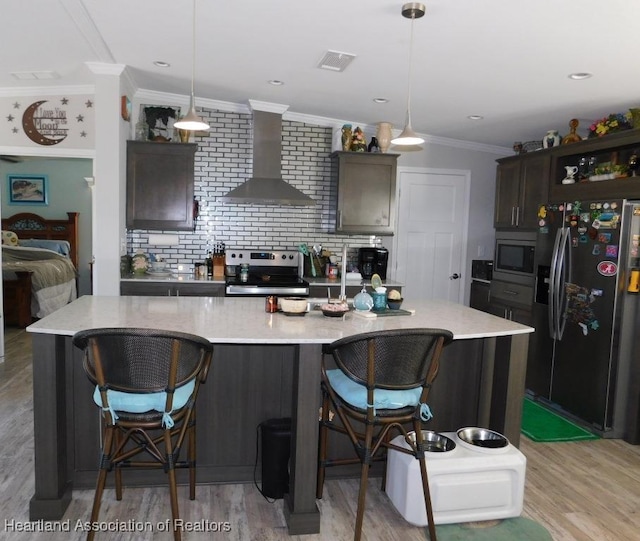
x: 257, y: 105
x: 10, y: 92
x: 165, y: 98
x: 49, y: 152
x: 102, y: 68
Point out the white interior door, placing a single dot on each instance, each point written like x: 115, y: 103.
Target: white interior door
x: 431, y: 240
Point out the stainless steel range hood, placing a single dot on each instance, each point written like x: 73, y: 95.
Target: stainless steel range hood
x: 266, y: 186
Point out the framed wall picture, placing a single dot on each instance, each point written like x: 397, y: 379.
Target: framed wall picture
x: 28, y: 189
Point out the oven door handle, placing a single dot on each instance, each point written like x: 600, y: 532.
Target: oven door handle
x: 262, y: 291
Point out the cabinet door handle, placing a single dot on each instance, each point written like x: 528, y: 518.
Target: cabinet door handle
x: 513, y: 210
x: 517, y: 216
x: 339, y: 219
x: 510, y: 292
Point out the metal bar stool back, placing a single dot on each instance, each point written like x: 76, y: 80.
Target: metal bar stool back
x: 147, y: 382
x: 381, y: 383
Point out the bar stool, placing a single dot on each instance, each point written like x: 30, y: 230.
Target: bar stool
x: 382, y: 381
x: 147, y: 382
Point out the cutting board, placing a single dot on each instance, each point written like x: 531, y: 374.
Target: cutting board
x: 384, y: 313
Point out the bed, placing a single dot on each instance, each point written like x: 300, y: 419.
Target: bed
x: 39, y: 274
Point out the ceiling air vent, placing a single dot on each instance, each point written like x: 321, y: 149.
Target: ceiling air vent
x: 335, y: 61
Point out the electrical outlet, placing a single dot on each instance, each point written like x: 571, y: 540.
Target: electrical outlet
x: 123, y: 246
x: 482, y: 251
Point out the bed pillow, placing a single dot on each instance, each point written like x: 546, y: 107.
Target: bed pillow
x: 61, y: 247
x: 9, y: 238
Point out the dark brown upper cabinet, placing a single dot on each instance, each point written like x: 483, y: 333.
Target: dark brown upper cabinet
x: 522, y: 184
x: 363, y: 193
x: 160, y: 185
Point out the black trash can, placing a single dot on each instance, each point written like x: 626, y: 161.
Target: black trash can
x: 275, y: 442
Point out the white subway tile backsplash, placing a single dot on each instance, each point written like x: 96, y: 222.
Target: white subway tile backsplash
x: 224, y: 160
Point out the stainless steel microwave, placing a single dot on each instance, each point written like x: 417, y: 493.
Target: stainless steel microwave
x: 514, y: 257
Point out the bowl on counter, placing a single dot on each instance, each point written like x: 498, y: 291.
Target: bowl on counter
x: 158, y: 266
x: 293, y: 305
x: 394, y: 304
x: 334, y: 309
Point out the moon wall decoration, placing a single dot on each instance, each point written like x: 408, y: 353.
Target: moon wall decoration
x: 36, y: 127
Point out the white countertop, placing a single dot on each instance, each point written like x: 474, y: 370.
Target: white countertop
x: 244, y: 320
x: 173, y: 277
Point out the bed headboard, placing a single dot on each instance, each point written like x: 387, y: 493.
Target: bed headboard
x: 31, y: 226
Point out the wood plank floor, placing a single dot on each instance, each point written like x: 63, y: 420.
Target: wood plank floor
x: 581, y: 491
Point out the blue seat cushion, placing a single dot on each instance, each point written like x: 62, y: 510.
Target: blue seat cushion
x: 356, y: 394
x: 143, y: 402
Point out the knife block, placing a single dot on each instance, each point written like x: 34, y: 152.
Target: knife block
x: 218, y: 266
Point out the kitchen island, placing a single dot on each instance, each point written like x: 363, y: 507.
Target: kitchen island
x: 265, y: 365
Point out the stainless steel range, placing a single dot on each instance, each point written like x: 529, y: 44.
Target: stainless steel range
x: 264, y: 272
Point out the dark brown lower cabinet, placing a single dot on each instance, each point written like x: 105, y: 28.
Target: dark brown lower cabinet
x: 169, y: 288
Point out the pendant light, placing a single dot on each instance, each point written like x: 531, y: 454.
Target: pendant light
x: 413, y: 11
x: 191, y: 121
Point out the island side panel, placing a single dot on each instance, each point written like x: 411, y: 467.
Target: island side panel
x: 508, y: 386
x: 300, y: 509
x: 52, y: 483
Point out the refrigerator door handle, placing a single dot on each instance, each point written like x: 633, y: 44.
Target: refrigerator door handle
x: 553, y: 278
x: 564, y: 268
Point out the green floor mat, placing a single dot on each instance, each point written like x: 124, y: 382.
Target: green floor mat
x: 511, y: 529
x: 541, y: 424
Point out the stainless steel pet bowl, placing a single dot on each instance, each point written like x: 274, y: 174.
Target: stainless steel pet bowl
x: 482, y: 439
x: 436, y: 443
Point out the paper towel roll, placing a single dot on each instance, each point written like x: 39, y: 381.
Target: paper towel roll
x: 158, y: 239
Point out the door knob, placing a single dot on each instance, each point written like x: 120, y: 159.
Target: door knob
x: 454, y: 276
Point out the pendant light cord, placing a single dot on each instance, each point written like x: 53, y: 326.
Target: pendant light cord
x: 193, y: 56
x: 409, y: 78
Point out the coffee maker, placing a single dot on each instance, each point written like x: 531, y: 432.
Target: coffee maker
x: 373, y: 261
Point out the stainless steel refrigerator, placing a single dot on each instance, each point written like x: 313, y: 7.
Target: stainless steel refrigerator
x: 587, y: 266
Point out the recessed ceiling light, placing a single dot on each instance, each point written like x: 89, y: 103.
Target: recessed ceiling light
x: 276, y: 82
x: 380, y: 100
x: 578, y: 76
x: 475, y: 117
x: 161, y: 64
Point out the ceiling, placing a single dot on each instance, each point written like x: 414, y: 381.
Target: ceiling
x: 506, y: 61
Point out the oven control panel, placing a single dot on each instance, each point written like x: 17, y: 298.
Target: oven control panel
x: 262, y: 258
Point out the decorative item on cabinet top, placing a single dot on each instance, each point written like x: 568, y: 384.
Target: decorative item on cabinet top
x: 159, y: 121
x: 572, y: 136
x: 531, y: 146
x: 611, y: 124
x: 551, y: 139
